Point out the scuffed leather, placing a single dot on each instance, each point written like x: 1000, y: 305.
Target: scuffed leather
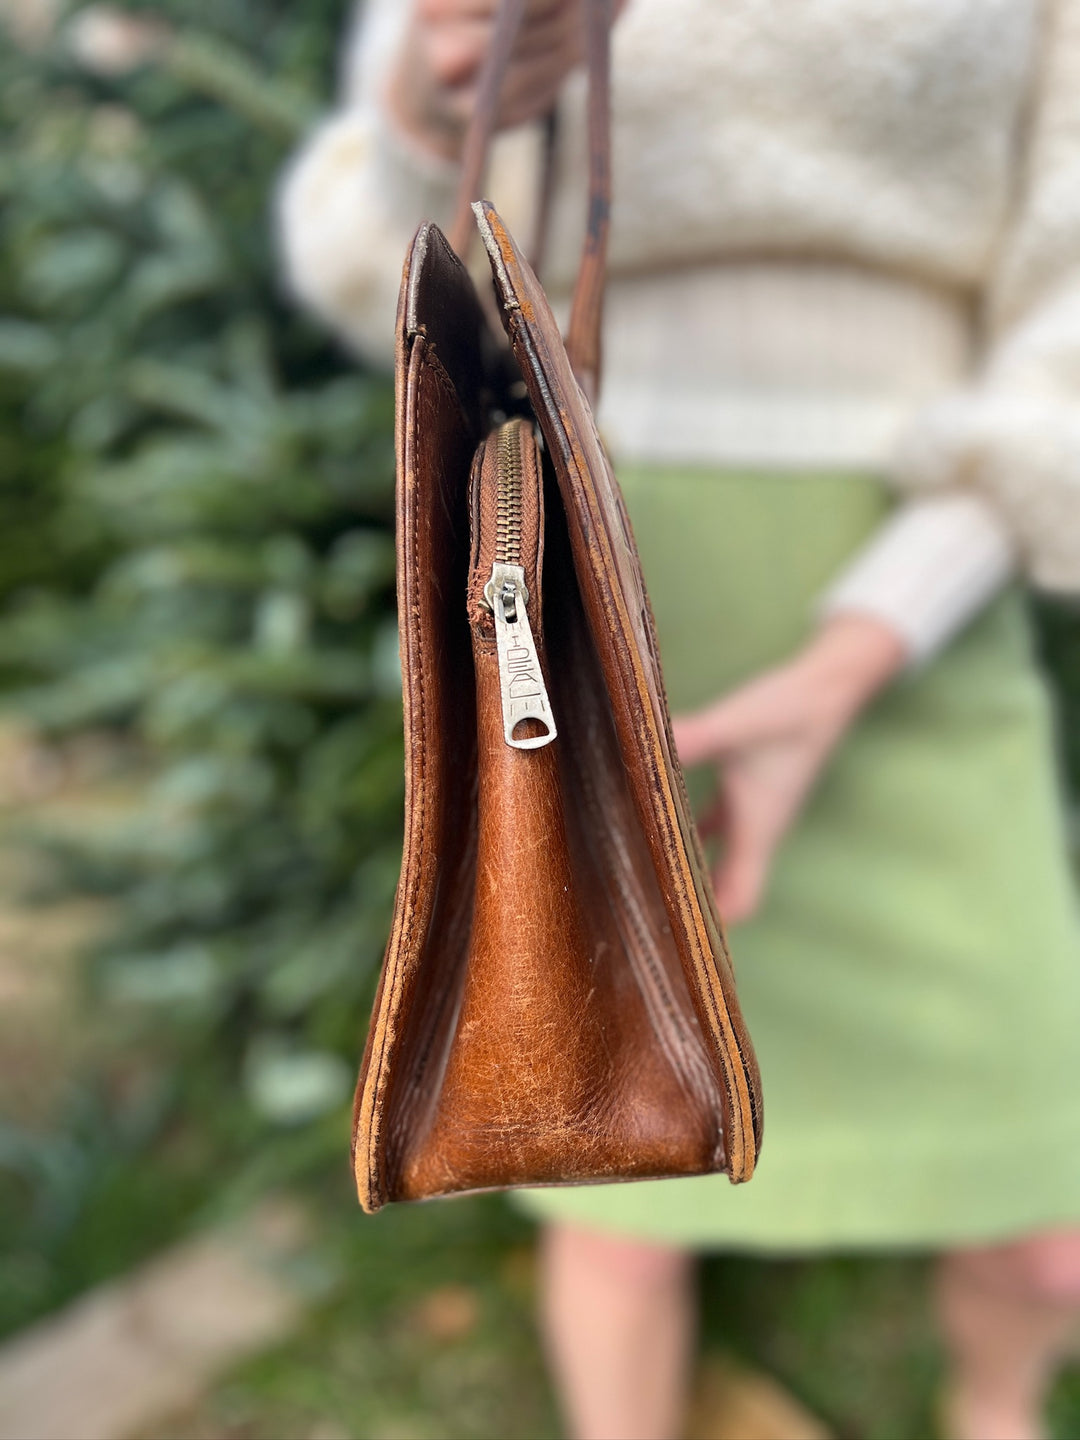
x: 556, y: 1004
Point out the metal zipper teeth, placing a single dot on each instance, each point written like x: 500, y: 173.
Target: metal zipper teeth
x: 521, y: 680
x: 511, y: 470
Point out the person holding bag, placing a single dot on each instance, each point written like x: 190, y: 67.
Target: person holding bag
x: 845, y: 250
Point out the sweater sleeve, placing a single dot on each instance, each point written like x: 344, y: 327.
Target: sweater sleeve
x: 349, y: 202
x: 928, y: 571
x: 1012, y: 439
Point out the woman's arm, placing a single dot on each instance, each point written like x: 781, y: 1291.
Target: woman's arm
x: 1012, y: 437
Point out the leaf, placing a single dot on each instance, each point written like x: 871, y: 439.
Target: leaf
x: 27, y: 348
x: 227, y: 75
x: 72, y: 266
x: 292, y: 1086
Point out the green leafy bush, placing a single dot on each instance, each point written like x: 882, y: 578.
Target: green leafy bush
x: 196, y: 552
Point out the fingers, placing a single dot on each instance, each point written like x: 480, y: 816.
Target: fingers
x: 750, y: 714
x: 696, y: 736
x: 528, y: 93
x: 454, y: 52
x: 444, y: 12
x: 740, y: 876
x: 750, y: 840
x: 531, y: 86
x: 739, y: 888
x: 433, y: 91
x: 456, y: 38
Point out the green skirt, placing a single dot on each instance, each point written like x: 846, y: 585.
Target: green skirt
x: 912, y: 982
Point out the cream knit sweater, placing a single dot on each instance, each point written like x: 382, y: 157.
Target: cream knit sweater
x: 845, y: 234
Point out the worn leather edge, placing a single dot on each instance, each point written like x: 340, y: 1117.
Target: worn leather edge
x: 419, y: 311
x: 367, y: 1109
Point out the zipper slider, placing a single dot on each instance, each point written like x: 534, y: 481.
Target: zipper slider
x: 524, y: 694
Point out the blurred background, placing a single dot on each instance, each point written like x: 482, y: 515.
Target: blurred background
x: 200, y: 781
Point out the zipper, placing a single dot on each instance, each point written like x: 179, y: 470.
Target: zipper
x: 509, y: 501
x: 506, y: 595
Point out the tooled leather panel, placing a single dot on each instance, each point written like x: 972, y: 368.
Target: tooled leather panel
x: 621, y: 626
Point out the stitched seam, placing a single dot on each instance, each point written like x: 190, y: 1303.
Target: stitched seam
x: 430, y: 366
x: 434, y: 366
x: 376, y: 1158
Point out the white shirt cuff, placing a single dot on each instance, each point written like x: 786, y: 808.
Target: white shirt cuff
x: 928, y: 571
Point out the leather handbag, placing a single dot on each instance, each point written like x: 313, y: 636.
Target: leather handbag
x: 556, y: 1003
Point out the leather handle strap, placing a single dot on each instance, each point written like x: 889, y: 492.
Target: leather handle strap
x: 541, y: 224
x: 482, y: 123
x: 586, y: 314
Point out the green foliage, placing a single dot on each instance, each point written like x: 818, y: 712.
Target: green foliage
x: 196, y: 551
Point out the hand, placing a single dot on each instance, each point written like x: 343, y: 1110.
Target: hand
x: 432, y: 89
x: 770, y: 739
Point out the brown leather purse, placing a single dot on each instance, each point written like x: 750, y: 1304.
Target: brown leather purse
x: 556, y: 1003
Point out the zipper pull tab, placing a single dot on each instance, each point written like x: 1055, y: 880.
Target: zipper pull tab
x: 524, y: 694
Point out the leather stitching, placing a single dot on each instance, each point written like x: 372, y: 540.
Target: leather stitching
x: 376, y: 1176
x: 429, y: 367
